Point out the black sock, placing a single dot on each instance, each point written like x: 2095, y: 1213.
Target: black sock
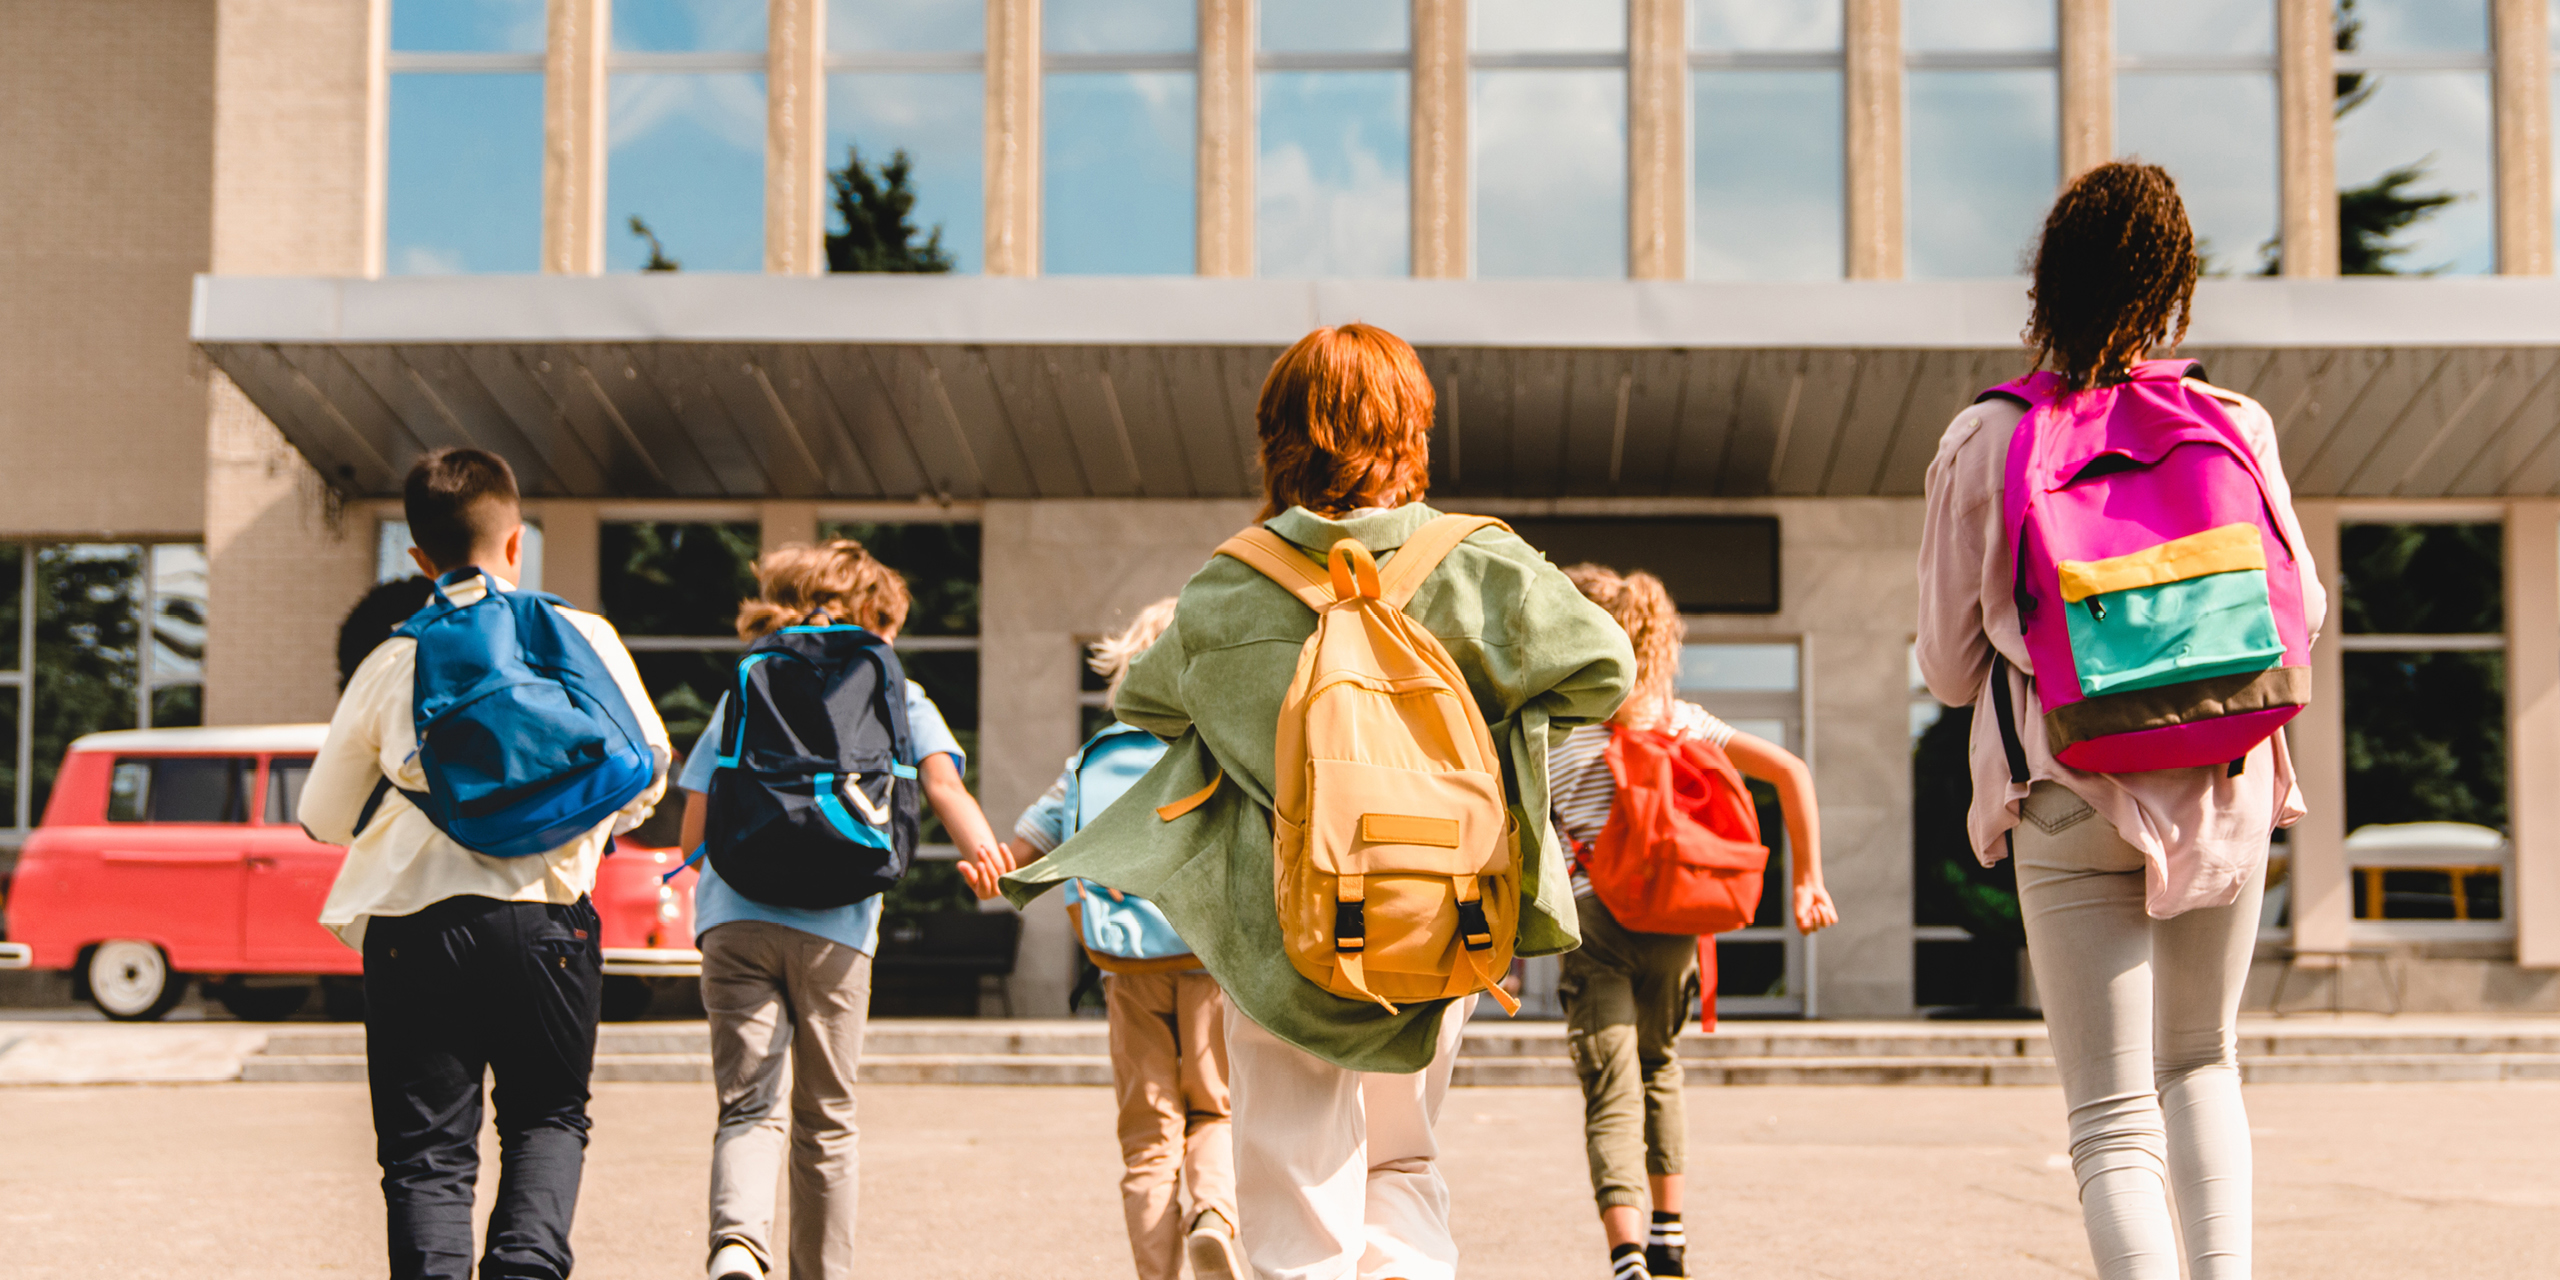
x: 1665, y: 1252
x: 1626, y: 1262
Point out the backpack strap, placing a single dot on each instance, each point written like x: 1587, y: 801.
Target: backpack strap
x: 1279, y: 559
x: 1423, y: 552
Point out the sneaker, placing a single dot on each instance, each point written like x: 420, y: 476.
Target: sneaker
x: 1213, y: 1249
x: 734, y: 1261
x: 1626, y: 1262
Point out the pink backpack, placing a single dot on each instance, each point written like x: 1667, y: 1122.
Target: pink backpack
x: 2160, y: 599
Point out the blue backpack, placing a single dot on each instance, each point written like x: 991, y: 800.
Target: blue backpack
x: 1126, y: 934
x: 524, y: 735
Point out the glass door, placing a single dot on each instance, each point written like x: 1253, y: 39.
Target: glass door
x: 1757, y: 686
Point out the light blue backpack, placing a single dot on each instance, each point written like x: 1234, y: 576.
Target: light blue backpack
x: 1123, y: 934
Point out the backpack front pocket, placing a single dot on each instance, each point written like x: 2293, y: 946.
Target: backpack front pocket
x: 2184, y: 610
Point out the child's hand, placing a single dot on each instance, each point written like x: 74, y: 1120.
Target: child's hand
x: 1814, y: 911
x: 983, y: 867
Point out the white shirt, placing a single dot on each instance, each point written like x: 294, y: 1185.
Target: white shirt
x: 400, y: 863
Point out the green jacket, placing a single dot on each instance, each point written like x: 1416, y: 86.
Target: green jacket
x: 1540, y: 660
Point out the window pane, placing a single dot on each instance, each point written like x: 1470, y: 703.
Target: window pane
x: 9, y: 815
x: 284, y: 789
x: 177, y: 614
x: 906, y: 26
x: 939, y: 120
x: 129, y: 791
x: 463, y: 188
x: 689, y: 26
x: 1796, y: 26
x: 2423, y: 579
x: 2420, y: 26
x: 2215, y: 134
x: 1549, y: 26
x: 684, y: 686
x: 1551, y: 173
x: 180, y: 789
x: 468, y: 26
x: 1731, y: 668
x: 686, y: 154
x: 1323, y: 26
x: 1984, y: 163
x: 2433, y: 126
x: 1978, y: 25
x: 940, y: 564
x: 1117, y: 173
x: 2426, y: 738
x: 1332, y: 181
x: 1768, y: 171
x: 88, y: 606
x: 13, y: 590
x: 2195, y: 27
x: 669, y: 579
x: 1119, y: 26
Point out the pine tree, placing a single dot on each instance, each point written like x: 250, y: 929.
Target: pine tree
x: 658, y: 259
x: 875, y: 206
x: 2370, y: 216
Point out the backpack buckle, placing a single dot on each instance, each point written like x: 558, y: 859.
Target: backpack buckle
x: 1473, y: 929
x: 1350, y: 928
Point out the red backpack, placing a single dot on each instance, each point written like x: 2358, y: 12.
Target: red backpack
x: 1682, y: 851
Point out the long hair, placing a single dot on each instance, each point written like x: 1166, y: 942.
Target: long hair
x: 1654, y: 627
x: 836, y: 578
x: 2115, y: 273
x: 1113, y: 653
x: 1345, y: 422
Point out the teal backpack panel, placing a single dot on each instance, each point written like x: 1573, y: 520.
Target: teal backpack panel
x: 1127, y: 926
x: 2172, y: 632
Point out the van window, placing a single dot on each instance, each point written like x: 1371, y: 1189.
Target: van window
x: 180, y: 789
x: 284, y: 789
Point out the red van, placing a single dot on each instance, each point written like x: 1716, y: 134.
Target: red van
x: 170, y: 854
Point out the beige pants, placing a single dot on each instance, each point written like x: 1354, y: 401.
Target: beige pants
x: 1169, y: 1067
x: 1336, y: 1171
x: 2143, y: 1015
x: 786, y: 1016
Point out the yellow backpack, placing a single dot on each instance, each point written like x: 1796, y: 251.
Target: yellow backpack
x: 1395, y: 862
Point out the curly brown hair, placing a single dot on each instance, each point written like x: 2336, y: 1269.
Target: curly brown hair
x: 836, y: 578
x: 2115, y: 273
x: 1654, y: 627
x: 1345, y: 421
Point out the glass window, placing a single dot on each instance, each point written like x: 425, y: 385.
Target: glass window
x: 92, y: 607
x: 1710, y: 668
x: 2425, y: 699
x: 463, y: 169
x: 1983, y: 134
x: 177, y: 611
x: 672, y: 590
x: 285, y: 777
x: 1549, y: 135
x: 908, y: 77
x: 391, y: 560
x: 2196, y: 95
x: 1766, y: 136
x: 685, y: 134
x: 1119, y: 126
x: 1765, y: 26
x: 180, y: 789
x: 689, y: 26
x: 2414, y: 126
x: 1332, y: 178
x: 2196, y: 29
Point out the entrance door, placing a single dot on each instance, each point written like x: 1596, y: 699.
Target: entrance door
x: 288, y: 877
x: 1757, y: 687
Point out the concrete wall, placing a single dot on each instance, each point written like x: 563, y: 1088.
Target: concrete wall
x: 106, y: 128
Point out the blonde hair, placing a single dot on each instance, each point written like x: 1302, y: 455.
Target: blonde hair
x: 1641, y: 605
x: 837, y: 578
x: 1113, y: 653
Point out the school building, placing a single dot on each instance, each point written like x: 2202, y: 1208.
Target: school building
x: 1700, y: 283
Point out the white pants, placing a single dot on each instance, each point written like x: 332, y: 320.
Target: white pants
x: 1337, y: 1175
x: 2143, y: 1015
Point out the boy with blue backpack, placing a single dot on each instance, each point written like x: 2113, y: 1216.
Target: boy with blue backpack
x: 1167, y: 1016
x: 803, y: 797
x: 479, y: 764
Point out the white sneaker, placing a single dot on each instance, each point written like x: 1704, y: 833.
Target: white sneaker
x: 1215, y: 1255
x: 733, y: 1261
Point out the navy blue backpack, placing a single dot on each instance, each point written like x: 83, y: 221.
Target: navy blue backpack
x: 813, y: 804
x: 524, y: 735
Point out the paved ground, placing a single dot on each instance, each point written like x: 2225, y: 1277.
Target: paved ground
x: 2356, y: 1182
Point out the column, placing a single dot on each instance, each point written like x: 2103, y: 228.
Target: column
x: 1225, y: 245
x: 1874, y: 144
x: 1440, y: 138
x: 1013, y: 137
x: 781, y: 522
x: 2306, y: 94
x: 2520, y: 32
x: 573, y: 116
x: 2088, y: 85
x: 1658, y: 139
x: 2533, y: 727
x: 571, y: 559
x: 795, y: 138
x: 2318, y: 843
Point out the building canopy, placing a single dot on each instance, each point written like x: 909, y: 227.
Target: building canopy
x: 854, y: 388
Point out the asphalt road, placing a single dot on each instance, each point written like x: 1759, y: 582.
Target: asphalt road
x: 2391, y: 1182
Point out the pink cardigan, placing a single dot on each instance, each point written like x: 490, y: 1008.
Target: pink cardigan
x: 2202, y: 833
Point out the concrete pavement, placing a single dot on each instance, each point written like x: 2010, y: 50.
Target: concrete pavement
x: 2356, y: 1182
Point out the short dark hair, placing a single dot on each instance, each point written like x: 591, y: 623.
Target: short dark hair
x: 459, y: 500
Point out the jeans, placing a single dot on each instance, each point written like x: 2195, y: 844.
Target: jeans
x: 2143, y: 1016
x: 1626, y: 996
x: 463, y: 989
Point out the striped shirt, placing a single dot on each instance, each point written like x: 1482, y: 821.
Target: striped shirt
x: 1578, y: 775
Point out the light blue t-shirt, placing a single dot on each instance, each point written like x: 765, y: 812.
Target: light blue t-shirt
x: 856, y: 926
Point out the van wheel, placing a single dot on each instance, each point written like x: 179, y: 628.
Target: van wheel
x: 260, y: 1004
x: 129, y: 980
x: 626, y: 998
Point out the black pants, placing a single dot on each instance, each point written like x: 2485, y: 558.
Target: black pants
x: 464, y: 988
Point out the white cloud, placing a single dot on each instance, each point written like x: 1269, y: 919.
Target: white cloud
x: 1766, y: 24
x: 729, y: 106
x: 1550, y: 173
x: 1307, y: 225
x: 424, y: 260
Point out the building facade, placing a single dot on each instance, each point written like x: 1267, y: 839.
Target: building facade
x: 1699, y: 282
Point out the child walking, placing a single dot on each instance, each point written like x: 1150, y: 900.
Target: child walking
x: 1335, y: 1096
x: 2140, y: 924
x: 1168, y: 1041
x: 1627, y: 994
x: 788, y: 988
x: 473, y: 965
